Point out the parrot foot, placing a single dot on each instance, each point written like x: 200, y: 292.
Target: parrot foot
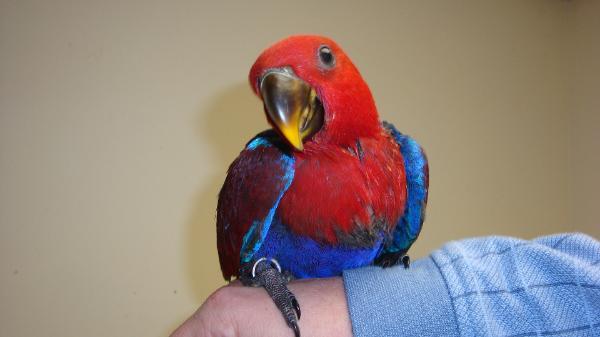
x: 393, y: 259
x: 267, y: 273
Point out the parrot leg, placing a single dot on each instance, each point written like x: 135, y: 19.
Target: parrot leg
x: 267, y: 274
x: 393, y: 259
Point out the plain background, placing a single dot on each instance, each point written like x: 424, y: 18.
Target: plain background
x: 118, y: 120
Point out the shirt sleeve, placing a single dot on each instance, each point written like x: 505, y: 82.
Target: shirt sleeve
x: 491, y: 286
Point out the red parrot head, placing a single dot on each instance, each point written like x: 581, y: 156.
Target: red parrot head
x: 312, y: 93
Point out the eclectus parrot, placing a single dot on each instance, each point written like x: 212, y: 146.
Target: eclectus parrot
x: 328, y: 188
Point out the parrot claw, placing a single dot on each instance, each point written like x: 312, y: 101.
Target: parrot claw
x: 296, y: 307
x: 406, y: 261
x: 296, y: 329
x: 393, y: 259
x: 267, y: 273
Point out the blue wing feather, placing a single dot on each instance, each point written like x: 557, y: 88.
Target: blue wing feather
x: 256, y: 234
x: 417, y: 183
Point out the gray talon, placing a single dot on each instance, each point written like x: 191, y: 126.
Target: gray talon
x: 296, y: 307
x: 406, y: 261
x: 267, y: 273
x: 296, y: 330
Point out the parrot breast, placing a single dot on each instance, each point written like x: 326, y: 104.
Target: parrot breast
x: 346, y: 197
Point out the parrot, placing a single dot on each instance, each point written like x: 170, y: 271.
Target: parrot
x: 329, y: 187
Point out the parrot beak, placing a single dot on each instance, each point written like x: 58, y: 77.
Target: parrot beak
x: 292, y: 105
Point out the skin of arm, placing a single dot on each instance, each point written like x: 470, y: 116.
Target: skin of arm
x: 237, y: 311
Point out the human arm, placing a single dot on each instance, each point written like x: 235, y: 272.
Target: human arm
x: 485, y: 286
x: 240, y: 311
x: 491, y: 286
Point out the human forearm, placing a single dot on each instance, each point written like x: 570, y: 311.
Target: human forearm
x: 247, y: 312
x: 489, y: 286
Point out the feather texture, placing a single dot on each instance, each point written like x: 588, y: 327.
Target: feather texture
x: 417, y: 185
x: 255, y: 183
x: 357, y: 190
x: 319, y: 218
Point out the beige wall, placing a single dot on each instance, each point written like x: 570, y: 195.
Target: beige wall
x: 118, y: 121
x: 583, y: 112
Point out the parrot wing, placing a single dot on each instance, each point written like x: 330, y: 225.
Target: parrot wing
x: 417, y: 184
x: 255, y: 184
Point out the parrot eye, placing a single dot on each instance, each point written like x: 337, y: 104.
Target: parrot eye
x: 326, y: 57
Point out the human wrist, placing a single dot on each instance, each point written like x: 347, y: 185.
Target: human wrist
x: 324, y: 307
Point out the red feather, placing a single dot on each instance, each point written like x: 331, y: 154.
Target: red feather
x: 335, y: 192
x: 250, y: 190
